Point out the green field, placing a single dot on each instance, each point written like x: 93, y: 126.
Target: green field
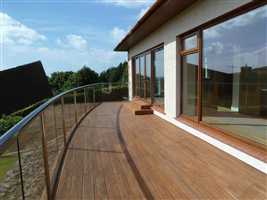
x: 6, y: 163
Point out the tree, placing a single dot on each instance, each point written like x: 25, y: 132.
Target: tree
x: 61, y: 81
x: 86, y: 76
x: 115, y: 74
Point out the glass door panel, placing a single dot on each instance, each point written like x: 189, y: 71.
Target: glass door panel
x: 142, y: 76
x: 190, y: 79
x: 137, y: 77
x: 159, y: 76
x: 148, y: 77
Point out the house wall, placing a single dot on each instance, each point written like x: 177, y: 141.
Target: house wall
x: 197, y: 14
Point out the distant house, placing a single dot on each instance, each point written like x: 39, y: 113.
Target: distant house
x: 203, y: 62
x: 23, y: 86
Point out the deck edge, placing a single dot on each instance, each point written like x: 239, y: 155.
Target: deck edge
x: 244, y: 157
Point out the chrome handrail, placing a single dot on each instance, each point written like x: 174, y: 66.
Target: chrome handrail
x: 19, y: 126
x: 98, y: 94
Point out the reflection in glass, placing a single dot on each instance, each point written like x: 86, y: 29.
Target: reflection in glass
x: 159, y: 76
x: 148, y: 77
x: 235, y: 76
x: 189, y: 78
x: 142, y: 76
x: 137, y: 77
x: 190, y: 43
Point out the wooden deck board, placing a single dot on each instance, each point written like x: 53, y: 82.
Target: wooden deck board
x: 117, y: 155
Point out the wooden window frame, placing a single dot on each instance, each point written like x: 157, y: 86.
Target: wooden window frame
x: 181, y: 53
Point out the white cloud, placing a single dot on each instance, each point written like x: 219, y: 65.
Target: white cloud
x: 117, y: 34
x: 256, y: 58
x: 142, y: 12
x: 73, y: 41
x: 14, y: 32
x: 21, y: 44
x: 128, y: 3
x: 216, y: 48
x: 246, y: 19
x: 240, y: 21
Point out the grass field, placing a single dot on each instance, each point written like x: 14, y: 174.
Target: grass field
x: 6, y: 163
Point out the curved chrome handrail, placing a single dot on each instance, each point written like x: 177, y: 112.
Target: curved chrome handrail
x: 21, y: 124
x: 84, y: 100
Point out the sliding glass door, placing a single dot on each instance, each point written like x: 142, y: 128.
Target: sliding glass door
x: 158, y: 62
x: 224, y: 76
x: 137, y: 77
x: 235, y: 76
x: 149, y: 76
x: 142, y: 76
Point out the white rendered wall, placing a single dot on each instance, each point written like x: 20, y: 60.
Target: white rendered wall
x: 130, y: 80
x: 199, y: 13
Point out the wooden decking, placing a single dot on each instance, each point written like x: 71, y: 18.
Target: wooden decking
x: 117, y: 155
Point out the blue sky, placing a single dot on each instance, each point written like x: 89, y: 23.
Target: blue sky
x: 66, y: 34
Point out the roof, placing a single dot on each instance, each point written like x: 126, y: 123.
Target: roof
x: 23, y: 86
x: 159, y: 13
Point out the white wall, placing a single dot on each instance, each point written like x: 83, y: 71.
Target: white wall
x: 197, y: 14
x: 130, y: 79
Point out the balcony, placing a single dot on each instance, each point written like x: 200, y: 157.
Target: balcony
x: 86, y: 143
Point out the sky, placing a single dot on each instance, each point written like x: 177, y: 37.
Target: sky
x: 66, y: 34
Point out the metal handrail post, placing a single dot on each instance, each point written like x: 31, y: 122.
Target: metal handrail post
x: 45, y: 157
x: 20, y: 170
x: 75, y: 106
x: 93, y: 95
x: 85, y: 99
x: 55, y: 124
x: 63, y: 121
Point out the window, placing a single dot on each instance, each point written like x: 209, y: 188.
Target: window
x: 226, y: 88
x: 190, y: 79
x: 149, y: 76
x: 158, y: 60
x: 190, y: 42
x: 142, y: 76
x: 235, y: 75
x: 137, y: 77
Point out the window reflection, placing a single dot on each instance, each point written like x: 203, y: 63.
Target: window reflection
x: 190, y: 43
x: 142, y: 76
x: 148, y: 76
x: 137, y: 77
x: 159, y: 76
x: 235, y: 75
x: 190, y: 72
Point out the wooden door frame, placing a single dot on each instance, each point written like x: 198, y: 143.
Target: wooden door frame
x: 183, y: 53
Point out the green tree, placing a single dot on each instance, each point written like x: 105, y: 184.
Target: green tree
x: 115, y: 74
x: 61, y: 81
x: 86, y: 76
